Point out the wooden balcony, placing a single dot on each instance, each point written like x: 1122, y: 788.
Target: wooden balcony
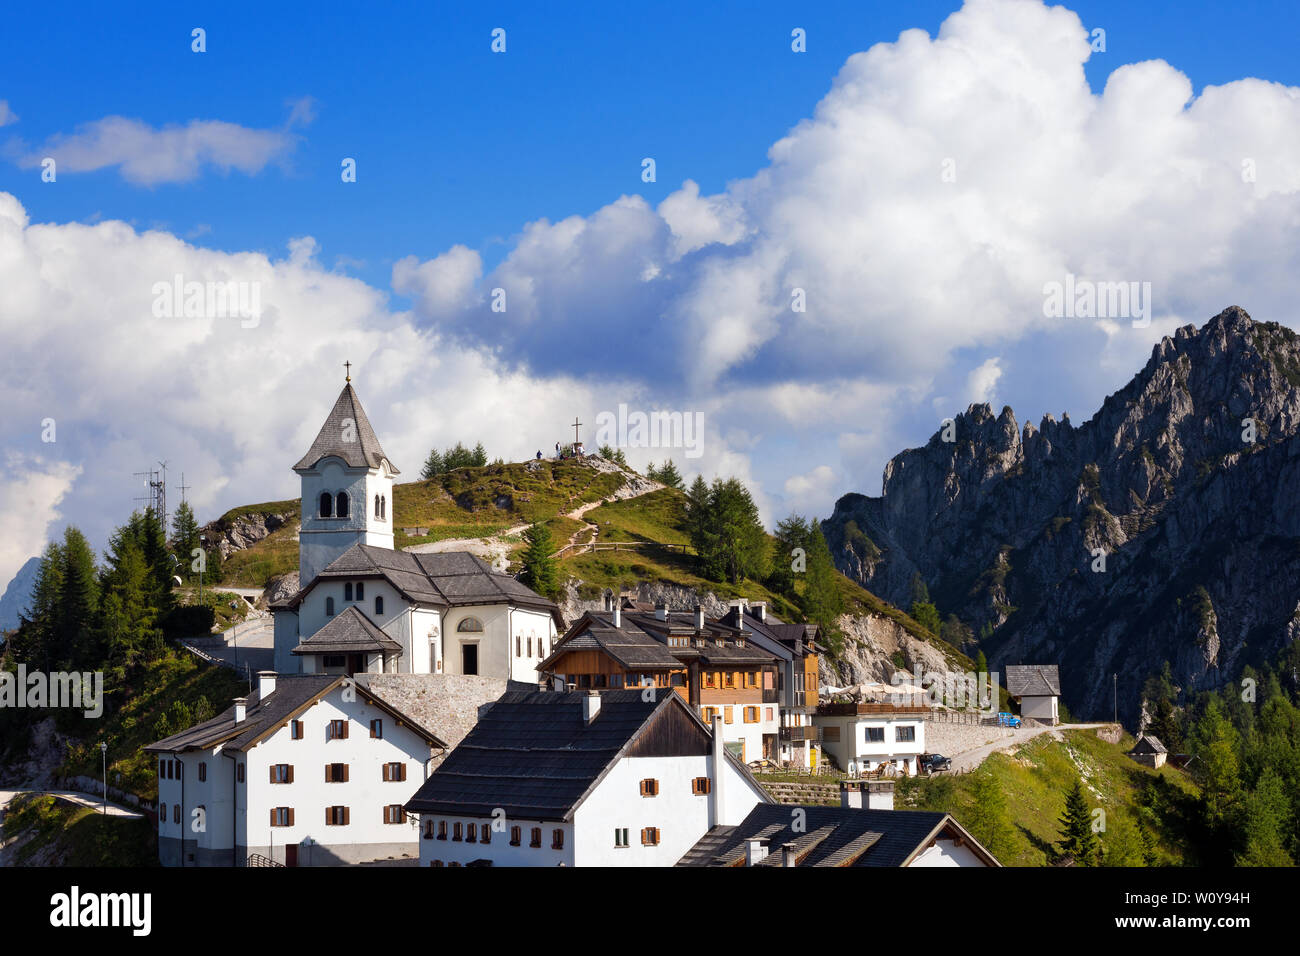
x: 877, y: 710
x: 797, y: 735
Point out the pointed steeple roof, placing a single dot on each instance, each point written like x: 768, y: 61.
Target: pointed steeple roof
x: 357, y: 445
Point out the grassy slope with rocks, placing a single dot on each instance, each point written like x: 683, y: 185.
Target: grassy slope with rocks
x: 1036, y: 777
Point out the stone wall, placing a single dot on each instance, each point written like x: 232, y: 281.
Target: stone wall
x: 447, y: 705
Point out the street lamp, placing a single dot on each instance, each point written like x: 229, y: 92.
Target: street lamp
x: 103, y: 752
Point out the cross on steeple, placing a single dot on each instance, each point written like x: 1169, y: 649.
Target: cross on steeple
x: 347, y: 367
x: 576, y: 423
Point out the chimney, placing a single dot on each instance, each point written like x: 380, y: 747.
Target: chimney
x: 609, y: 599
x: 787, y: 854
x: 740, y: 613
x: 880, y: 795
x: 590, y: 706
x: 755, y: 850
x: 851, y: 794
x: 717, y: 790
x: 265, y: 685
x: 241, y: 709
x: 661, y: 611
x: 618, y: 613
x: 699, y: 617
x: 760, y: 610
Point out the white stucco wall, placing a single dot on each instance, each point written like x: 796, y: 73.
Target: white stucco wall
x: 499, y: 850
x: 947, y: 853
x: 854, y: 746
x: 321, y: 540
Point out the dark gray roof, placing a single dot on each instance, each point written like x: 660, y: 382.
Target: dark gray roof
x: 362, y: 451
x: 292, y: 695
x: 534, y: 756
x: 451, y: 579
x: 350, y: 632
x: 641, y: 641
x: 1148, y: 744
x: 1033, y: 680
x: 828, y: 836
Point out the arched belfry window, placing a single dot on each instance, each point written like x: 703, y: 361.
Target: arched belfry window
x: 383, y: 507
x: 326, y: 504
x: 342, y: 509
x: 470, y: 625
x: 329, y: 607
x: 379, y: 604
x: 361, y: 590
x: 378, y: 513
x: 347, y: 590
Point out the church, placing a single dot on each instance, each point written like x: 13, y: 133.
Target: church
x: 364, y: 607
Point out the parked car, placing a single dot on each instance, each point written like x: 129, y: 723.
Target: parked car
x: 933, y: 763
x: 1008, y: 720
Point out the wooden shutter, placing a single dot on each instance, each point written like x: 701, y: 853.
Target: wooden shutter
x: 290, y: 773
x: 274, y: 821
x: 345, y: 773
x: 272, y: 771
x: 291, y: 816
x: 388, y: 776
x: 401, y: 772
x: 347, y: 815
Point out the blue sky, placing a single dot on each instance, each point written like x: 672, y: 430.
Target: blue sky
x: 457, y: 145
x: 776, y: 170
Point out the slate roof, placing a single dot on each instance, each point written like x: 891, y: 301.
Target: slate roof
x: 1033, y: 680
x: 451, y: 579
x: 1148, y: 744
x: 534, y: 756
x: 350, y: 632
x: 641, y: 641
x: 292, y: 695
x: 829, y: 836
x: 362, y: 451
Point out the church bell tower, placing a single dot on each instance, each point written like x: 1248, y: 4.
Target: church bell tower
x: 347, y: 488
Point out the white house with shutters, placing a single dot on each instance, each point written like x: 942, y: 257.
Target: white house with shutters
x: 363, y: 607
x: 619, y: 778
x: 312, y: 770
x: 861, y: 737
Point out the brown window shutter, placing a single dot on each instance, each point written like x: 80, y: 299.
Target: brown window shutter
x: 345, y: 773
x: 328, y: 776
x: 273, y: 816
x: 387, y: 775
x: 402, y: 768
x: 347, y: 815
x: 291, y: 773
x: 329, y: 815
x: 272, y: 770
x: 291, y: 816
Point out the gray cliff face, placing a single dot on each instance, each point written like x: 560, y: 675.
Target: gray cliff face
x: 1198, y: 524
x: 245, y: 530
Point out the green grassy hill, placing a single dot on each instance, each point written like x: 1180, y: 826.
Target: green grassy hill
x: 1035, y: 779
x: 54, y: 833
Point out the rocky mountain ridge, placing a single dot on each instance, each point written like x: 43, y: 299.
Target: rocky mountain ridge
x: 1166, y: 527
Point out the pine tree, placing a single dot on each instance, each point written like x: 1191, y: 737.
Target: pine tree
x: 987, y: 820
x: 981, y: 664
x: 669, y: 475
x: 823, y: 601
x: 433, y: 465
x: 128, y: 619
x: 185, y: 538
x: 791, y: 551
x: 1218, y: 768
x: 479, y: 458
x: 1077, y: 839
x: 736, y: 545
x: 34, y: 642
x: 541, y: 573
x: 697, y: 514
x: 1267, y: 821
x: 75, y: 641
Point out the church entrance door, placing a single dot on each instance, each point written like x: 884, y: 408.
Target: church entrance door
x: 469, y: 658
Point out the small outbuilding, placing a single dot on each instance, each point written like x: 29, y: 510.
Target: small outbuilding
x: 1035, y: 687
x: 1149, y: 751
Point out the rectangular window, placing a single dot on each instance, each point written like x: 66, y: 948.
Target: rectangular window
x: 557, y: 839
x: 335, y: 660
x: 295, y: 730
x: 458, y: 832
x: 729, y: 679
x: 751, y: 715
x: 769, y: 713
x: 338, y: 730
x: 393, y: 813
x: 336, y: 773
x: 282, y: 773
x: 176, y: 813
x: 377, y: 729
x: 336, y: 816
x: 442, y: 829
x: 471, y: 833
x: 650, y: 836
x: 282, y: 817
x: 535, y: 839
x: 710, y: 679
x: 428, y: 829
x: 649, y: 787
x: 394, y: 772
x: 700, y: 786
x: 516, y: 835
x: 518, y: 646
x: 905, y: 734
x: 239, y: 772
x: 203, y: 771
x: 485, y: 834
x: 620, y: 836
x: 875, y: 735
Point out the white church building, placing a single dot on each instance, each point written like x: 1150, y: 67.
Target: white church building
x: 363, y: 607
